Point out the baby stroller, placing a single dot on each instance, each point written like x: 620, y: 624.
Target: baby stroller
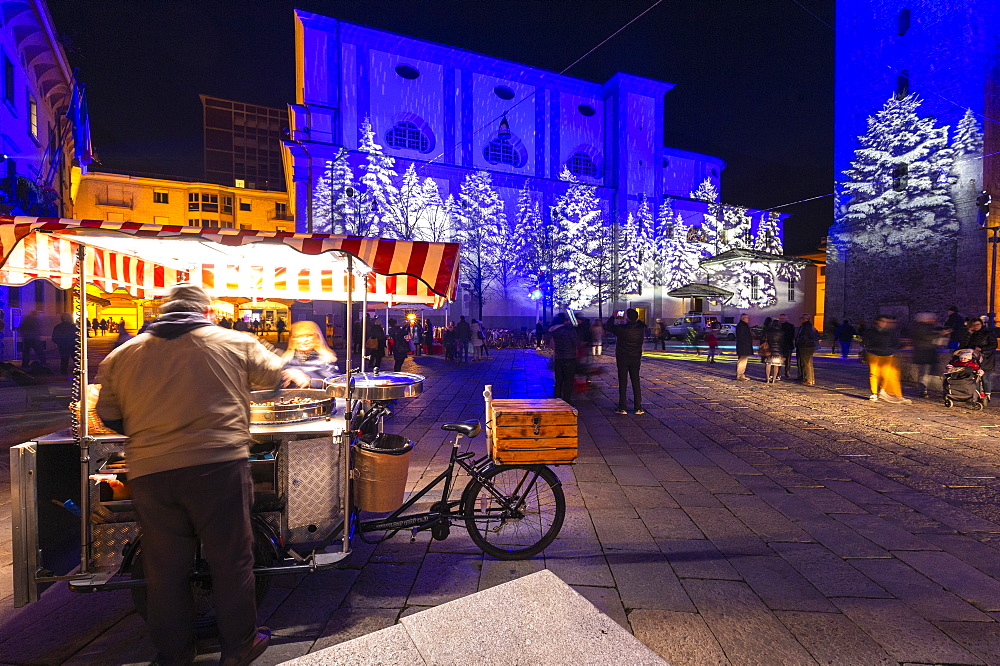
x: 963, y: 381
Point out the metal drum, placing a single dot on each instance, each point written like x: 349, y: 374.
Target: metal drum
x: 289, y: 405
x: 372, y: 386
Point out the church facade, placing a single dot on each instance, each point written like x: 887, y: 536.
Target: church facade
x: 399, y: 137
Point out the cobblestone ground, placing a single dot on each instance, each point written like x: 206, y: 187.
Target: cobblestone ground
x: 734, y: 523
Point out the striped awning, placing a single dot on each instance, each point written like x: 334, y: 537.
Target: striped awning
x: 228, y: 262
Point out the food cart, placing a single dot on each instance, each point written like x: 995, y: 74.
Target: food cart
x: 69, y: 524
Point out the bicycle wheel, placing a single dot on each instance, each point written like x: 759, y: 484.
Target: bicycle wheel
x: 513, y: 512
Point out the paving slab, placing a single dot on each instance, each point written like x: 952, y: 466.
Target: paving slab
x: 683, y: 639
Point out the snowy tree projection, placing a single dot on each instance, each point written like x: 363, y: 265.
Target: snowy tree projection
x: 629, y: 257
x: 968, y: 136
x: 576, y: 227
x: 899, y: 181
x: 528, y: 241
x: 334, y: 209
x: 378, y: 180
x: 681, y: 257
x: 768, y: 237
x: 436, y: 224
x: 476, y: 219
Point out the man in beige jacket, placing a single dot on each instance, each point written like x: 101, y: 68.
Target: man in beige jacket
x: 180, y: 391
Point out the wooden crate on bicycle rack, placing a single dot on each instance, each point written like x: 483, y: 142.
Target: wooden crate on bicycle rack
x: 531, y: 431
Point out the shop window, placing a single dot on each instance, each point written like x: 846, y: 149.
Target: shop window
x: 161, y: 197
x: 406, y: 135
x: 581, y: 164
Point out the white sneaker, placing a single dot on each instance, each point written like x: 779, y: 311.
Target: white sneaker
x: 874, y: 397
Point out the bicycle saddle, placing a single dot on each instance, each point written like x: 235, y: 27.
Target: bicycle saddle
x: 468, y: 428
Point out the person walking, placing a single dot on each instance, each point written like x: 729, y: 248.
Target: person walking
x: 744, y: 347
x: 881, y: 341
x: 429, y: 337
x: 660, y: 335
x: 924, y: 336
x: 31, y: 338
x: 180, y: 392
x: 845, y: 336
x: 956, y: 324
x: 787, y: 342
x: 400, y: 345
x: 539, y: 334
x: 565, y: 346
x: 416, y: 336
x: 830, y: 333
x: 463, y: 338
x: 281, y: 327
x: 64, y: 337
x: 984, y: 341
x: 628, y: 356
x: 806, y: 340
x: 596, y: 337
x: 712, y: 340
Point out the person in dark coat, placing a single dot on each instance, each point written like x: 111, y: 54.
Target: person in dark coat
x: 956, y: 324
x: 628, y: 356
x: 805, y: 347
x: 448, y: 339
x: 377, y: 352
x: 280, y: 326
x: 400, y: 345
x: 566, y: 347
x: 845, y: 336
x: 788, y: 342
x: 744, y: 347
x: 983, y: 340
x: 64, y: 337
x: 463, y: 338
x: 31, y: 338
x: 923, y: 336
x: 774, y: 336
x: 429, y: 336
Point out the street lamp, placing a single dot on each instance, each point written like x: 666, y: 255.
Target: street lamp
x: 983, y: 202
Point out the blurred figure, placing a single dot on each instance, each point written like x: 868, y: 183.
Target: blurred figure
x: 596, y: 337
x: 660, y: 334
x: 400, y: 345
x: 881, y: 342
x: 375, y: 344
x: 924, y: 336
x: 774, y: 336
x: 64, y: 337
x: 566, y: 346
x: 281, y: 326
x: 307, y: 351
x: 31, y: 338
x: 787, y: 342
x: 744, y: 347
x: 712, y: 340
x: 448, y: 340
x: 478, y: 339
x: 955, y: 324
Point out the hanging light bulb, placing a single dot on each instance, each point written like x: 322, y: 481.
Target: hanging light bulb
x: 504, y: 131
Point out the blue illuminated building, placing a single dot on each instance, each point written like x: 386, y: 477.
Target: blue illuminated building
x: 916, y: 87
x: 452, y: 112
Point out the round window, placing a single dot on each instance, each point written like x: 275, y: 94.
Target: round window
x: 407, y: 72
x: 503, y: 92
x: 586, y: 109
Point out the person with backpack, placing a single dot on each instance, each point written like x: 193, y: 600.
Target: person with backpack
x: 805, y: 347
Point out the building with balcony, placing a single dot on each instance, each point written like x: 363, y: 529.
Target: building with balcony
x: 44, y: 144
x: 154, y: 200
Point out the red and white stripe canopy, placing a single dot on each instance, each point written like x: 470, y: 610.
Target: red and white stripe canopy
x: 146, y: 259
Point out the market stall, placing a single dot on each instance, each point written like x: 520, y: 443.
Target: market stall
x: 145, y: 260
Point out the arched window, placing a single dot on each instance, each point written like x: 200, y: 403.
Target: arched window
x: 504, y: 148
x: 406, y: 135
x: 581, y: 164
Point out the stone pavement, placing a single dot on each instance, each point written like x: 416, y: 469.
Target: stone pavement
x: 734, y: 523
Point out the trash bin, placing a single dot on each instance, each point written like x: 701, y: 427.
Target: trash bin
x: 381, y: 463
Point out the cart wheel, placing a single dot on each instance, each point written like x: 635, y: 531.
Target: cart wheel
x: 264, y: 555
x: 513, y: 512
x: 978, y: 405
x: 948, y: 402
x: 441, y: 530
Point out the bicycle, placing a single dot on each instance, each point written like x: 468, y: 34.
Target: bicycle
x: 512, y: 512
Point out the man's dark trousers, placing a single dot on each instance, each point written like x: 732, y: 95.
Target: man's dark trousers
x: 626, y: 369
x: 175, y: 509
x: 565, y: 372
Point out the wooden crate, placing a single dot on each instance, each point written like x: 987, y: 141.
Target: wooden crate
x: 534, y: 431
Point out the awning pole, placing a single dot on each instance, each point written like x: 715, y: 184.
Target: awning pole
x: 364, y: 324
x: 345, y: 441
x: 83, y: 430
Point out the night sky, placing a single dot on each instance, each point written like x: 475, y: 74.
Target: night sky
x: 754, y: 80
